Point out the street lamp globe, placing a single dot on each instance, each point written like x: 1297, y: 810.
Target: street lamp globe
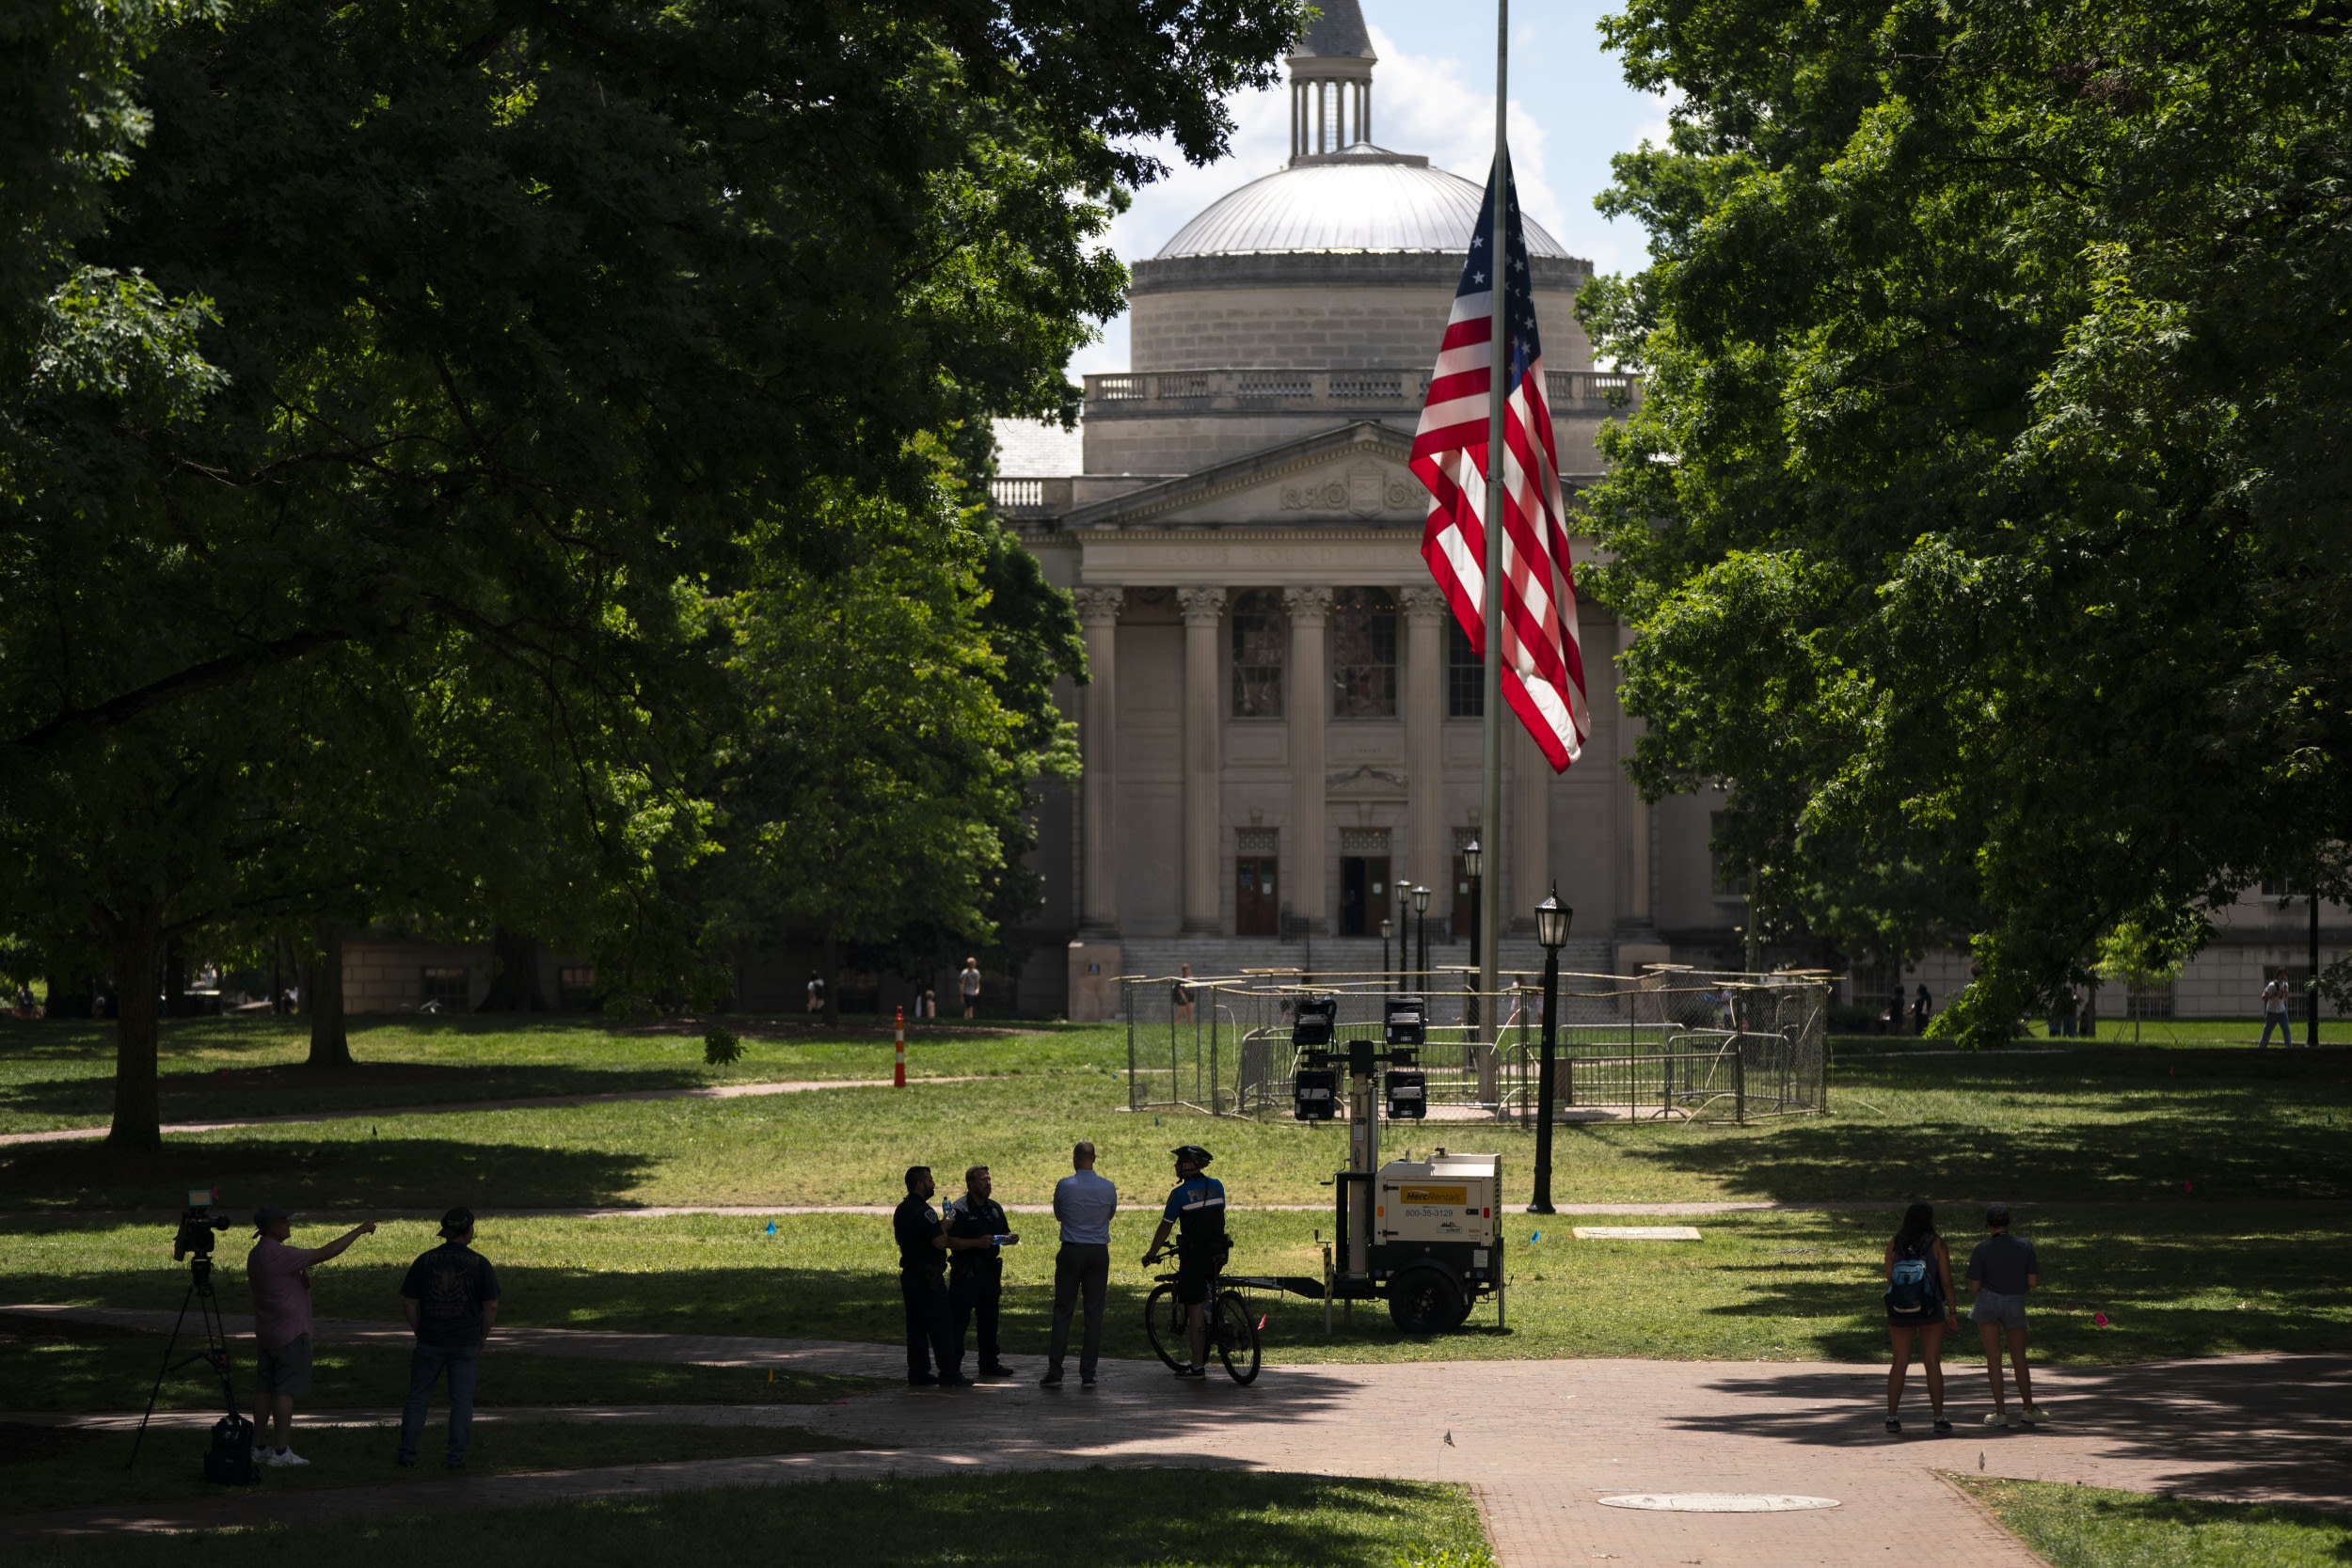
x: 1473, y: 860
x: 1552, y: 922
x: 1388, y: 929
x: 1420, y: 900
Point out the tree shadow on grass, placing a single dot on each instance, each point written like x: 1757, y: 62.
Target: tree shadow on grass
x: 293, y: 1089
x: 315, y: 1174
x: 2257, y: 1156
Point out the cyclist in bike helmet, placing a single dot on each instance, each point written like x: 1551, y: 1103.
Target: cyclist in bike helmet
x: 1196, y: 1211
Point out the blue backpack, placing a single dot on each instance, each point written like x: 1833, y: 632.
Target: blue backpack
x: 1912, y: 1288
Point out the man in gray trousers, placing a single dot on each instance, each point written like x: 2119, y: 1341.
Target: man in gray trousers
x: 1083, y: 1203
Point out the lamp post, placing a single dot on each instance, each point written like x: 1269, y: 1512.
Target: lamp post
x: 1473, y: 863
x: 1420, y: 966
x: 1388, y: 975
x: 1551, y: 932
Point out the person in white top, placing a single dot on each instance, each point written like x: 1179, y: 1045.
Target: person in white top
x: 970, y: 983
x: 2275, y: 1010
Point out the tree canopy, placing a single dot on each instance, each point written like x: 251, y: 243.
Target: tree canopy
x: 1983, y: 519
x: 407, y: 389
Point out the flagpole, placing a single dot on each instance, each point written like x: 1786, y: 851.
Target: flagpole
x: 1490, y: 603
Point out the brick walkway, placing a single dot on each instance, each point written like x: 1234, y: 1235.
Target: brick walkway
x: 1540, y: 1441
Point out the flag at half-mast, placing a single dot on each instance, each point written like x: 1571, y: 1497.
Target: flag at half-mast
x: 1543, y: 662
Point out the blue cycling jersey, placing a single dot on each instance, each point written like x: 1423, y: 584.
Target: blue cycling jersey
x: 1196, y: 1208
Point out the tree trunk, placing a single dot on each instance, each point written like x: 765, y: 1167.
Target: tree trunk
x: 516, y: 990
x: 138, y: 1107
x: 329, y: 1045
x: 175, y: 979
x: 833, y: 983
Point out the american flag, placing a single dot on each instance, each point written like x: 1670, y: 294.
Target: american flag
x: 1543, y: 662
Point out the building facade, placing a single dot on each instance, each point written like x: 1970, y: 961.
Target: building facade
x: 1282, y: 726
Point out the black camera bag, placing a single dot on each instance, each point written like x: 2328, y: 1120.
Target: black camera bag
x: 230, y: 1459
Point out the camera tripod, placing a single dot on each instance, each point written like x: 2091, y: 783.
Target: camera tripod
x: 214, y: 1354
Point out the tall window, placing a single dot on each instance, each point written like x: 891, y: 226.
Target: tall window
x: 1465, y: 674
x: 1259, y: 639
x: 1363, y: 653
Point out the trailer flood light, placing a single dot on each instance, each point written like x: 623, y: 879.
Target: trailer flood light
x: 1407, y: 1020
x: 1409, y: 1096
x: 1318, y: 1019
x: 1315, y: 1094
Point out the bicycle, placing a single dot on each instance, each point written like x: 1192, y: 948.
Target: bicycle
x: 1232, y: 1332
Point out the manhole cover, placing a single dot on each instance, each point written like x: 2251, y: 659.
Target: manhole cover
x: 1718, y: 1502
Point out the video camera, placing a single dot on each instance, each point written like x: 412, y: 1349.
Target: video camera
x: 199, y: 1225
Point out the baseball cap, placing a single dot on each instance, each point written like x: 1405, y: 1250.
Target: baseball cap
x: 457, y: 1222
x: 1996, y: 1214
x: 269, y: 1215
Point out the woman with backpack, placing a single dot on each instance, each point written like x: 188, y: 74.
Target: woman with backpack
x: 1919, y: 1305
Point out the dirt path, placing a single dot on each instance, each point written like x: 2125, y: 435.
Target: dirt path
x: 1541, y: 1442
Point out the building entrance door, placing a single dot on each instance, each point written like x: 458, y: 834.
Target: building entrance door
x: 1255, y: 911
x: 1364, y: 894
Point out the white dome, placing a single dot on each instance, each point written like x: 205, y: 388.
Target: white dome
x: 1362, y: 199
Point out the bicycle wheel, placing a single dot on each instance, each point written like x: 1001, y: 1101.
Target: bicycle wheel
x: 1236, y: 1334
x: 1164, y: 1323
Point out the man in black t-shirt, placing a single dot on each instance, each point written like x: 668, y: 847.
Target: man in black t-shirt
x: 923, y: 1248
x: 975, y: 1276
x: 450, y: 1298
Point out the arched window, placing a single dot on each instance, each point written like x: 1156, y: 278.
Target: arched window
x: 1261, y: 638
x: 1363, y: 654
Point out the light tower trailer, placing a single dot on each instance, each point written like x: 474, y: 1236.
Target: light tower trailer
x: 1423, y: 1235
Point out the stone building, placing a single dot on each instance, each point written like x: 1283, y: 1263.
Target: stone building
x: 1283, y: 729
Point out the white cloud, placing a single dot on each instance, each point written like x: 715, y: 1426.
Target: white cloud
x: 1431, y: 107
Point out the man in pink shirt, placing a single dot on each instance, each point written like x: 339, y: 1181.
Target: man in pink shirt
x: 280, y: 1276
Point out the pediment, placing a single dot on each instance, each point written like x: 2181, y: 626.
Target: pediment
x: 1354, y: 475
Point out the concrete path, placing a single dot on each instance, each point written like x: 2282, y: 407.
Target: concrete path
x: 1539, y: 1441
x: 460, y: 1107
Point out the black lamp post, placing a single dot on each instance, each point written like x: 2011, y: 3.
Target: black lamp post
x: 1473, y: 863
x: 1420, y: 966
x: 1388, y: 975
x: 1551, y: 932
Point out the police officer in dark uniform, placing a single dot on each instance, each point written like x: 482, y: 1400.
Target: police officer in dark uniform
x: 975, y: 1276
x: 1196, y: 1211
x: 923, y: 1248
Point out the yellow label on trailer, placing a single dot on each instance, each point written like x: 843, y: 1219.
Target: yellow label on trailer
x: 1458, y: 1197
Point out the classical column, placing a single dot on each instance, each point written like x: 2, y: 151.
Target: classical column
x: 1098, y: 744
x: 1635, y: 833
x: 1529, y: 839
x: 1425, y: 610
x: 1204, y: 612
x: 1308, y: 700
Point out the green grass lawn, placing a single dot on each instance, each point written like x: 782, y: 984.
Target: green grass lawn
x: 1757, y: 1287
x: 2082, y: 1527
x: 44, y: 1467
x: 1100, y: 1519
x: 51, y: 1364
x: 2103, y: 1123
x: 61, y: 1074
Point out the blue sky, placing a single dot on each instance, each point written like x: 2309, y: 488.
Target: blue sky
x: 1433, y: 94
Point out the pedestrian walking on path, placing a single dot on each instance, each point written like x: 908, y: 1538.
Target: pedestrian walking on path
x: 279, y: 1278
x: 1083, y: 1203
x: 969, y: 983
x: 1920, y: 1305
x: 451, y: 1299
x: 2002, y: 1268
